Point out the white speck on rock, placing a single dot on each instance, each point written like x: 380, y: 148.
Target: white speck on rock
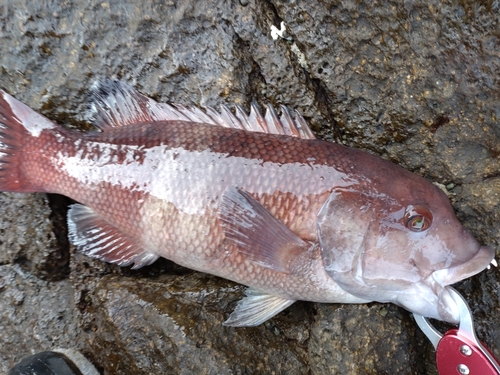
x: 278, y: 33
x: 281, y: 33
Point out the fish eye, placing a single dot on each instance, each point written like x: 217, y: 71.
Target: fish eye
x: 418, y: 218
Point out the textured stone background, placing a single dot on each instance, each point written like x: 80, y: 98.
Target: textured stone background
x: 416, y: 82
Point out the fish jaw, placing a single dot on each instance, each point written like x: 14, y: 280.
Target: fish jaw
x: 428, y: 296
x: 473, y: 266
x: 431, y: 298
x: 447, y: 308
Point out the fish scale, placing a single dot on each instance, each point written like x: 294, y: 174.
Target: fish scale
x: 251, y: 198
x: 162, y: 225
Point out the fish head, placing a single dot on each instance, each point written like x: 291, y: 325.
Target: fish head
x: 398, y: 242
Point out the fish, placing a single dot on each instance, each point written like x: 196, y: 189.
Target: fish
x: 252, y: 198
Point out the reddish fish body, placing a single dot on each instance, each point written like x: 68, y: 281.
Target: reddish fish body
x: 290, y: 216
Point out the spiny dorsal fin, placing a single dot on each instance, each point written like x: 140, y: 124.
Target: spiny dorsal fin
x: 116, y: 104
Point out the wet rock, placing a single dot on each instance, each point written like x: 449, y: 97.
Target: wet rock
x: 35, y: 315
x: 365, y: 339
x: 173, y: 324
x: 416, y: 83
x: 33, y: 236
x: 480, y: 202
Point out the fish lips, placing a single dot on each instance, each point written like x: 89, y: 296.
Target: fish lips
x: 473, y: 266
x: 448, y: 308
x: 432, y: 299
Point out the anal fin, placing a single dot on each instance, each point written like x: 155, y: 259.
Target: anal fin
x: 96, y: 238
x: 256, y: 308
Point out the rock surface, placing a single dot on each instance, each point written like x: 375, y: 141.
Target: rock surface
x: 415, y: 82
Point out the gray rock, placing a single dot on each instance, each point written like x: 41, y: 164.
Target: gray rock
x: 173, y: 324
x: 34, y: 236
x: 34, y: 315
x: 415, y: 82
x: 365, y: 339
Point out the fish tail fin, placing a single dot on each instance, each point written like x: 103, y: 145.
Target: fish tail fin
x: 19, y: 126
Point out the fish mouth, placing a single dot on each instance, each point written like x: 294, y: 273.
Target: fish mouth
x: 473, y: 266
x: 447, y: 308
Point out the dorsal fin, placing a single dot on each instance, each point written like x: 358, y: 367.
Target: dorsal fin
x: 116, y: 104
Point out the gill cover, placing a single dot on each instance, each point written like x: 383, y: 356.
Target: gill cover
x: 356, y: 249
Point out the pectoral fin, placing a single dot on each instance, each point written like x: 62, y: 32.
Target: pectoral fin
x: 96, y: 238
x: 255, y: 232
x: 256, y: 308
